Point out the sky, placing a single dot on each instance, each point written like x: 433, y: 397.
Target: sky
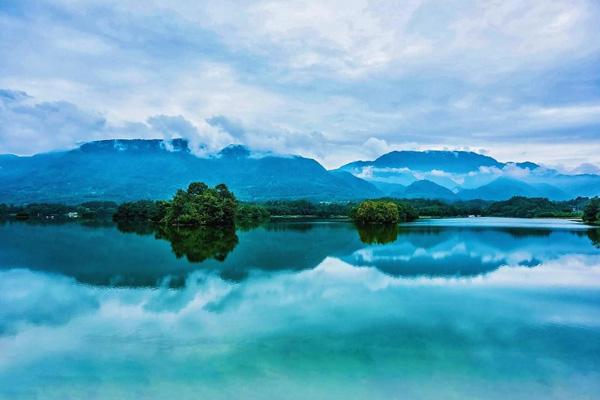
x: 332, y: 80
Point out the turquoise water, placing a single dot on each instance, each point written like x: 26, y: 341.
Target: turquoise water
x: 452, y: 309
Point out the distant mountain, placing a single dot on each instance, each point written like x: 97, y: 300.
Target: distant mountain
x: 505, y: 188
x: 388, y: 188
x: 449, y: 161
x: 123, y: 170
x: 527, y: 165
x: 425, y: 189
x: 473, y: 175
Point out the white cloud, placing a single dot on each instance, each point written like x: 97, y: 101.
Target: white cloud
x: 353, y: 38
x: 321, y: 79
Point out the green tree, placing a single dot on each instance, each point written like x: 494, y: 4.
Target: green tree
x: 3, y: 210
x: 591, y: 212
x: 376, y: 212
x: 406, y: 212
x: 202, y: 206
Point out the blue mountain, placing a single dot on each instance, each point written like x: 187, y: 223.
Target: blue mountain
x: 425, y: 189
x: 123, y: 170
x: 505, y: 188
x: 470, y: 174
x: 450, y: 161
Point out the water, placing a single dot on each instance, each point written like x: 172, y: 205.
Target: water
x: 452, y: 309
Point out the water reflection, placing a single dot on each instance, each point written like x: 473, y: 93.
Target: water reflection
x: 377, y: 234
x: 335, y: 331
x: 594, y: 235
x: 146, y: 255
x: 317, y: 310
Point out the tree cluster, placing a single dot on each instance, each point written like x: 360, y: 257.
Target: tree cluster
x: 591, y: 212
x: 199, y: 205
x: 382, y: 212
x: 527, y: 207
x: 307, y: 208
x: 90, y: 209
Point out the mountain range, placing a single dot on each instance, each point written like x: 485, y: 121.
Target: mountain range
x: 123, y: 170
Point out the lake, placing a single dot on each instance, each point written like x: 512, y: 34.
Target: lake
x: 489, y: 308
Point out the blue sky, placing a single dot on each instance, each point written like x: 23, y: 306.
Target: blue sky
x: 335, y: 80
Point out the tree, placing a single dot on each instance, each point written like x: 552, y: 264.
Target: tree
x: 142, y: 210
x: 406, y: 212
x: 202, y: 206
x: 197, y: 188
x: 376, y: 212
x: 591, y: 212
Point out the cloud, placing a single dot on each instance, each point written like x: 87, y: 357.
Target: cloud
x: 586, y: 168
x: 32, y: 298
x: 27, y: 127
x: 284, y: 74
x: 227, y: 125
x: 199, y: 141
x: 349, y: 39
x: 376, y: 146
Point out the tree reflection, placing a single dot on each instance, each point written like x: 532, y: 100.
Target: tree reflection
x: 139, y: 228
x: 594, y: 235
x: 377, y: 234
x: 196, y: 244
x: 199, y: 244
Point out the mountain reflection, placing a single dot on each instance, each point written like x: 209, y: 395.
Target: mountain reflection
x: 146, y: 255
x: 434, y: 251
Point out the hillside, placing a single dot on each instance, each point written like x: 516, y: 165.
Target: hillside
x: 471, y: 175
x: 450, y: 161
x: 122, y: 170
x: 425, y: 189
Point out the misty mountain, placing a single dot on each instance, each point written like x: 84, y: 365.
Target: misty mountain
x: 388, y: 188
x: 449, y: 161
x: 123, y: 170
x: 425, y: 189
x: 505, y: 188
x: 471, y: 176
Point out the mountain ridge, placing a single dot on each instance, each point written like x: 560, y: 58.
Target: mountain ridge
x: 133, y: 169
x: 123, y: 170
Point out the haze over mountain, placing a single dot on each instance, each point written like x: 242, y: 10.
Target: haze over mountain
x: 471, y: 175
x: 154, y: 169
x: 425, y: 189
x: 123, y: 170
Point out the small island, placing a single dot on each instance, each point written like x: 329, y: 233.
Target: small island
x: 198, y: 206
x: 383, y: 212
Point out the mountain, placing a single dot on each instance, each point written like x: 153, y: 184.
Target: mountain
x: 505, y: 188
x: 449, y: 161
x: 122, y: 170
x: 388, y: 188
x: 425, y: 189
x: 473, y: 175
x: 527, y: 165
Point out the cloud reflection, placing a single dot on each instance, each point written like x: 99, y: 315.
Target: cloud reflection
x: 218, y: 336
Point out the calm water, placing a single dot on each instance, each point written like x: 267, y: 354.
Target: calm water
x: 452, y: 309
